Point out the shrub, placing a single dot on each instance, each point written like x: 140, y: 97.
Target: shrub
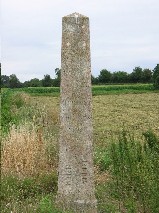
x: 135, y: 173
x: 156, y: 83
x: 156, y: 77
x: 10, y: 103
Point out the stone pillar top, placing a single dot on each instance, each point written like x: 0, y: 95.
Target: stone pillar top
x: 76, y: 15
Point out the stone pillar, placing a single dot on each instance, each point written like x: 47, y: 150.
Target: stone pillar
x: 75, y: 178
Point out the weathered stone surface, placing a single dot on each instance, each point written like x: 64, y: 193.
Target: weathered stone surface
x: 75, y: 180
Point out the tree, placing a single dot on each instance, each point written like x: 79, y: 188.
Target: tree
x: 104, y: 76
x: 156, y: 77
x: 56, y: 81
x: 136, y: 75
x: 147, y: 76
x: 47, y: 81
x: 58, y: 72
x: 35, y: 82
x: 4, y: 81
x: 119, y: 77
x: 26, y: 84
x: 14, y: 81
x: 94, y: 80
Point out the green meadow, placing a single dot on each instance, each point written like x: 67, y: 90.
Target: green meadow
x: 96, y: 90
x: 126, y: 149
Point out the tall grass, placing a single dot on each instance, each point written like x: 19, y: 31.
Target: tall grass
x: 24, y: 152
x: 30, y: 145
x: 10, y: 104
x: 28, y: 154
x: 134, y: 169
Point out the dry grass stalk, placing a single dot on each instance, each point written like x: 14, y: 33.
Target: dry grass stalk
x: 24, y: 152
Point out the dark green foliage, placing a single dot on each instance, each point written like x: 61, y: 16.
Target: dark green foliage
x: 151, y: 141
x: 119, y: 89
x: 47, y: 205
x: 94, y: 80
x: 156, y: 83
x: 48, y: 182
x: 147, y: 76
x: 47, y: 81
x: 103, y: 159
x: 156, y: 71
x: 10, y: 81
x: 41, y: 91
x: 27, y: 188
x: 4, y: 81
x: 21, y: 189
x: 6, y: 115
x: 35, y: 82
x: 120, y: 77
x: 14, y: 81
x: 96, y: 90
x: 136, y: 75
x: 156, y: 77
x: 9, y: 102
x: 5, y: 108
x: 106, y: 204
x: 135, y: 173
x: 104, y: 76
x: 56, y: 81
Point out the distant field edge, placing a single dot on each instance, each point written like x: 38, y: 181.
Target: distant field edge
x: 96, y: 90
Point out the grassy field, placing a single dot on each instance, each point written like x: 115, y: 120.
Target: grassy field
x: 134, y: 112
x: 96, y: 90
x: 126, y: 151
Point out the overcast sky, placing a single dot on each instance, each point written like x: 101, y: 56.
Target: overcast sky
x: 124, y: 34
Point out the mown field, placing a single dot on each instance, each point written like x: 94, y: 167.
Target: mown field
x: 126, y: 150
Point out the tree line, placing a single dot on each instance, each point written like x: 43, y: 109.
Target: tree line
x: 13, y: 82
x: 138, y: 75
